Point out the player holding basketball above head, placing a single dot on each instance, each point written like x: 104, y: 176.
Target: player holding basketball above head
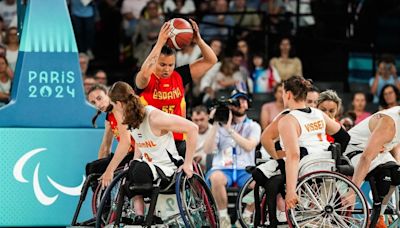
x: 152, y: 130
x: 162, y: 86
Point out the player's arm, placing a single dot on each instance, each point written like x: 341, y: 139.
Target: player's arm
x: 383, y: 130
x: 202, y: 65
x: 268, y: 137
x: 105, y: 147
x: 335, y: 130
x: 169, y: 122
x: 149, y: 65
x: 289, y: 131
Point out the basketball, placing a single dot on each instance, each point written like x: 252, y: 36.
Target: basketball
x: 181, y: 34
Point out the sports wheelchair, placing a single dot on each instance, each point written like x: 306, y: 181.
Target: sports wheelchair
x: 194, y: 205
x: 321, y: 186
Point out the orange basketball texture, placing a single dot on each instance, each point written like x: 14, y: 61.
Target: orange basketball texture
x: 181, y: 34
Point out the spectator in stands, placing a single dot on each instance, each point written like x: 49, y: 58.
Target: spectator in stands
x: 5, y: 81
x: 206, y: 81
x: 386, y: 74
x: 359, y: 102
x: 312, y: 97
x: 237, y: 59
x: 389, y: 97
x: 88, y: 83
x: 272, y: 109
x: 200, y: 118
x: 3, y: 50
x: 220, y: 20
x: 83, y: 63
x: 12, y: 44
x: 234, y: 142
x: 287, y: 64
x: 244, y: 20
x: 83, y: 21
x: 243, y: 47
x: 101, y: 77
x: 8, y: 10
x: 147, y: 29
x: 187, y: 55
x: 264, y: 78
x: 2, y: 30
x: 131, y: 11
x: 228, y: 78
x: 179, y: 6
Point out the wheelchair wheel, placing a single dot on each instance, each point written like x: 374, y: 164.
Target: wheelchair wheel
x: 320, y: 202
x: 195, y: 201
x: 246, y: 200
x: 114, y: 208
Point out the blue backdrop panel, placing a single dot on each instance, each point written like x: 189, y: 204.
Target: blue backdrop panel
x: 47, y: 89
x: 42, y: 174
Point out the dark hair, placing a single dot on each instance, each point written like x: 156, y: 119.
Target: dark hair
x: 298, y: 86
x: 382, y: 101
x: 292, y: 52
x: 387, y: 58
x: 7, y: 37
x: 166, y: 50
x: 134, y: 111
x: 109, y: 108
x: 314, y: 89
x: 279, y: 84
x: 238, y: 53
x: 200, y: 109
x: 358, y: 92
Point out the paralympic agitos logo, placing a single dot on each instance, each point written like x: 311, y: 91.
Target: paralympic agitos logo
x: 37, y: 189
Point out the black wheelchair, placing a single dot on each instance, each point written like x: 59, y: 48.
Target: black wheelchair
x: 321, y: 186
x: 190, y: 203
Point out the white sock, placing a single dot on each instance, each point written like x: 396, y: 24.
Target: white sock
x: 247, y: 214
x: 383, y: 208
x: 223, y: 213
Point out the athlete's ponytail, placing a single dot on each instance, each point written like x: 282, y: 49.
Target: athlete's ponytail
x: 299, y: 86
x: 134, y: 111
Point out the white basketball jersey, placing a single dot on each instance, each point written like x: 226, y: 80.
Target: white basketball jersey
x: 157, y: 150
x: 313, y: 134
x: 361, y: 133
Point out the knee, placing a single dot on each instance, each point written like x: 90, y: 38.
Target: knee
x: 140, y: 173
x: 217, y: 178
x: 259, y: 177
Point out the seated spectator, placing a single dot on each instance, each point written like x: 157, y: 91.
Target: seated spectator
x: 272, y: 109
x: 187, y: 55
x: 244, y: 20
x: 5, y: 81
x: 385, y: 74
x: 359, y: 102
x: 243, y: 47
x: 389, y: 97
x: 312, y: 97
x: 3, y: 50
x: 147, y: 30
x: 264, y: 79
x: 131, y: 11
x: 83, y: 63
x: 12, y: 44
x: 200, y: 118
x: 287, y: 64
x: 101, y: 77
x: 234, y: 142
x: 88, y: 83
x: 2, y: 30
x: 237, y: 59
x: 8, y: 10
x: 179, y: 6
x: 228, y: 78
x: 212, y: 31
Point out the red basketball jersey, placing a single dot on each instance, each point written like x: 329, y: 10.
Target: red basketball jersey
x: 113, y: 123
x: 166, y: 94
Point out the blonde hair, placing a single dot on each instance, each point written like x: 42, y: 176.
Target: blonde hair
x: 329, y: 95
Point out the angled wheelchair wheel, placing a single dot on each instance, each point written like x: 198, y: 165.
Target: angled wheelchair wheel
x: 114, y: 208
x: 320, y: 202
x: 195, y: 201
x: 246, y: 200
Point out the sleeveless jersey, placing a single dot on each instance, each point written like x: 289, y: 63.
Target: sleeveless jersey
x: 157, y: 150
x: 361, y: 133
x: 313, y: 130
x: 166, y: 94
x: 113, y: 124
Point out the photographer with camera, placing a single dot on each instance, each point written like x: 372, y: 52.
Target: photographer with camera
x: 386, y: 74
x: 234, y: 138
